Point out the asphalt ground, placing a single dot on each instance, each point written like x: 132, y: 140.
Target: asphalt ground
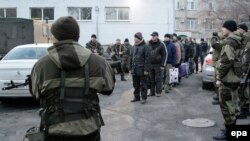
x: 160, y: 119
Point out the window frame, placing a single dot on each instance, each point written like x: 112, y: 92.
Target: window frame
x: 42, y: 13
x: 79, y: 11
x: 117, y: 14
x: 193, y: 3
x: 5, y: 13
x: 190, y: 25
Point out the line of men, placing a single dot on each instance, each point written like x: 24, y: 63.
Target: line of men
x: 150, y: 62
x: 231, y: 58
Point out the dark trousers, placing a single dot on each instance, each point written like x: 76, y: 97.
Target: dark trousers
x: 95, y: 136
x: 156, y: 76
x: 140, y: 86
x: 196, y: 61
x: 120, y: 69
x: 202, y: 60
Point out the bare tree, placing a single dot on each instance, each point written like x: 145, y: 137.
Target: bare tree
x: 237, y: 10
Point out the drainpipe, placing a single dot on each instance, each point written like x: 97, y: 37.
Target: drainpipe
x: 97, y: 21
x: 174, y: 14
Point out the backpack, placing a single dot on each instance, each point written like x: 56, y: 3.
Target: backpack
x: 56, y: 119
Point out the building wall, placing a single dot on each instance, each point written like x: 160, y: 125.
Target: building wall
x: 145, y: 16
x: 205, y: 22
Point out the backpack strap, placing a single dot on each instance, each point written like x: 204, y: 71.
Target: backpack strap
x: 62, y: 95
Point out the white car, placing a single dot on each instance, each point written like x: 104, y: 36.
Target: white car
x: 208, y: 74
x: 16, y: 65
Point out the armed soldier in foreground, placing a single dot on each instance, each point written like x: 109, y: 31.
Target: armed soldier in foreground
x: 229, y: 74
x: 244, y: 95
x: 66, y: 82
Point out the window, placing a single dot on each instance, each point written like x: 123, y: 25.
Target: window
x: 211, y: 6
x: 180, y: 4
x: 117, y: 13
x: 209, y: 24
x: 177, y: 23
x: 42, y: 13
x: 192, y: 4
x: 191, y: 24
x: 80, y: 13
x: 8, y: 12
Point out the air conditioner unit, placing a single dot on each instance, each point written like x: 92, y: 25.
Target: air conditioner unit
x: 183, y: 21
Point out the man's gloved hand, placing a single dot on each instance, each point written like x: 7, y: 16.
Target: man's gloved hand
x: 145, y: 73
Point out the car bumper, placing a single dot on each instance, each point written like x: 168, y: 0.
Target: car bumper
x: 208, y: 74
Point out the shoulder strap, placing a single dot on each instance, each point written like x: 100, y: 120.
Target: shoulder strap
x: 86, y: 75
x: 62, y: 95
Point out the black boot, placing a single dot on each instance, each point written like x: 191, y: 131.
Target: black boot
x: 216, y: 102
x: 243, y: 113
x: 122, y: 78
x: 216, y: 97
x: 222, y: 134
x: 135, y: 100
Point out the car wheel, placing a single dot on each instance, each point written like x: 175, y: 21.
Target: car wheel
x: 206, y: 86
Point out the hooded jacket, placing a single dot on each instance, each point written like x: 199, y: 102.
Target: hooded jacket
x: 70, y: 57
x: 230, y: 65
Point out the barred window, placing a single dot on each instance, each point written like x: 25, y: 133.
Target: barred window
x: 80, y: 13
x: 117, y: 13
x: 42, y: 13
x: 8, y: 12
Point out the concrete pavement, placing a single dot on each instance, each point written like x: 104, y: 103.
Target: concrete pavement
x: 158, y: 120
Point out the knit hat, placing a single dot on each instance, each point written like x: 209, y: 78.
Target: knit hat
x: 138, y: 35
x: 230, y: 25
x: 167, y: 35
x: 243, y: 26
x: 93, y: 36
x: 202, y: 39
x: 65, y: 28
x: 126, y: 40
x: 155, y: 34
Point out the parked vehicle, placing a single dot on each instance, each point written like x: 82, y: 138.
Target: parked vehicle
x: 20, y: 31
x: 208, y: 71
x: 16, y: 65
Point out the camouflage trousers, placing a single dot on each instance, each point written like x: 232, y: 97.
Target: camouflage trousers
x: 124, y: 64
x: 244, y: 96
x: 228, y: 102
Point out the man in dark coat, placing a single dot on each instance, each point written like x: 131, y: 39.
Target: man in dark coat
x: 140, y: 67
x: 171, y: 60
x: 158, y: 63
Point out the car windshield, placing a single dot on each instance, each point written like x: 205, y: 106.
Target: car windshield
x: 26, y: 53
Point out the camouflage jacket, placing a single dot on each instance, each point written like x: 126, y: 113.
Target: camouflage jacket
x: 230, y: 65
x: 71, y: 57
x: 95, y: 47
x: 246, y: 56
x: 217, y: 44
x: 126, y: 51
